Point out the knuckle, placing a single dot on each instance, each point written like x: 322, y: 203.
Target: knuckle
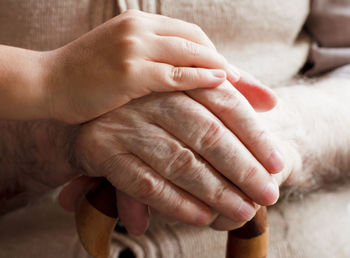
x: 229, y: 102
x: 129, y: 44
x: 218, y: 194
x: 90, y: 138
x: 183, y: 161
x: 190, y: 48
x: 176, y: 74
x: 148, y: 187
x: 130, y: 22
x: 259, y: 137
x: 211, y: 135
x: 248, y: 176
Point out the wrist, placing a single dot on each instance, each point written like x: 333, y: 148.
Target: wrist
x: 63, y: 75
x: 35, y: 158
x: 56, y: 147
x: 23, y: 92
x: 51, y: 152
x: 53, y: 74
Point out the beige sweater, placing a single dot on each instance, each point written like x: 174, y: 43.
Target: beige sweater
x: 263, y: 37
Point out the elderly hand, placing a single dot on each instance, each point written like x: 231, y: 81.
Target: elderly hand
x: 172, y: 153
x: 127, y: 57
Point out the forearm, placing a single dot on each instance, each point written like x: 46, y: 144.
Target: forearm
x: 34, y: 158
x: 313, y: 121
x: 23, y: 84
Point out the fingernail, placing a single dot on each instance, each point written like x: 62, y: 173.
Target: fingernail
x: 203, y: 217
x: 246, y: 211
x: 218, y: 74
x: 271, y: 192
x: 275, y: 162
x: 234, y: 73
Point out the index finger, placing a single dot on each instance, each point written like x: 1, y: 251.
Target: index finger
x: 237, y: 114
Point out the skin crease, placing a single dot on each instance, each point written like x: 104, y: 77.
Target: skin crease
x: 227, y: 89
x: 129, y: 56
x: 231, y: 122
x: 313, y: 158
x: 261, y: 99
x: 66, y: 82
x: 266, y: 152
x: 144, y: 149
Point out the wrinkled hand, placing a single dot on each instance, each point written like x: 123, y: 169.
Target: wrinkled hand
x: 127, y: 57
x: 171, y: 151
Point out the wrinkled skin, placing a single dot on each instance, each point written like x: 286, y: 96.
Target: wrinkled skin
x: 171, y: 152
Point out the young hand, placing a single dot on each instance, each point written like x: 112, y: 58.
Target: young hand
x: 128, y: 57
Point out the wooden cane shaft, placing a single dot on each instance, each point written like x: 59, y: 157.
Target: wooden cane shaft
x: 96, y: 216
x: 251, y: 240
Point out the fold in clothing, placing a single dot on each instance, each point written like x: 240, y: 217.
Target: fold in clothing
x: 171, y: 241
x: 265, y: 38
x: 326, y: 59
x: 343, y: 71
x: 150, y: 6
x: 329, y: 25
x: 50, y: 24
x: 44, y: 229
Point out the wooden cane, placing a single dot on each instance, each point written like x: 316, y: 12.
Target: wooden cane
x: 96, y: 216
x: 251, y: 240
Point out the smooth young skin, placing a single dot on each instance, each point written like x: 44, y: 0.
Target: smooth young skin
x: 125, y: 58
x: 313, y: 157
x: 313, y: 137
x: 136, y: 148
x: 76, y: 64
x: 168, y: 151
x: 183, y: 127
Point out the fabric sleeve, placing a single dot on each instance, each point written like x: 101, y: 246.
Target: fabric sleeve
x: 329, y: 26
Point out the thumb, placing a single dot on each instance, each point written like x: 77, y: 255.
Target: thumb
x: 133, y: 214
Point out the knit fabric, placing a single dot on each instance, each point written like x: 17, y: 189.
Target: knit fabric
x: 316, y: 226
x: 263, y: 37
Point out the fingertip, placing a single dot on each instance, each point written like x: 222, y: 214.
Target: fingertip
x: 269, y: 100
x: 233, y: 74
x: 261, y: 97
x: 225, y: 224
x: 135, y: 231
x: 133, y: 214
x: 218, y: 74
x: 270, y: 194
x: 275, y: 162
x: 203, y: 217
x: 215, y: 78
